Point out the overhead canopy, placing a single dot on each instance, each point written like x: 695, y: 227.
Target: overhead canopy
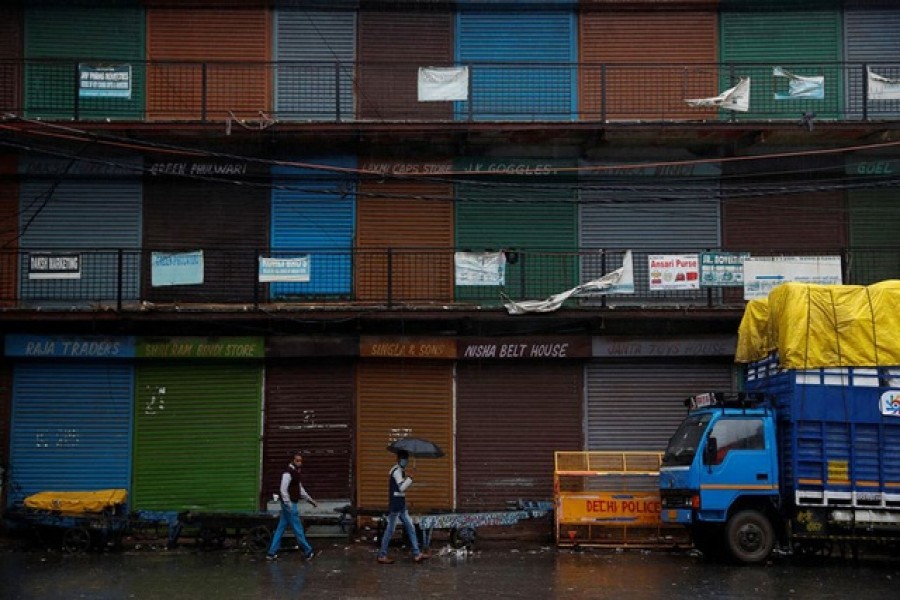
x: 813, y: 326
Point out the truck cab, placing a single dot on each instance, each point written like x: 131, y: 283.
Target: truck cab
x: 719, y: 476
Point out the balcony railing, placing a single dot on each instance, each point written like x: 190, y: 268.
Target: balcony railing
x: 123, y: 279
x: 257, y: 95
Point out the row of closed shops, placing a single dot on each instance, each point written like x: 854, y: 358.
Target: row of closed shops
x: 116, y: 211
x: 210, y: 61
x: 208, y: 423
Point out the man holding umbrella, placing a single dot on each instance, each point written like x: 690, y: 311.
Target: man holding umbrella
x: 398, y: 483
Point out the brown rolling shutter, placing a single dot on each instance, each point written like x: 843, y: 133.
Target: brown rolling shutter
x: 11, y: 34
x: 404, y: 399
x: 9, y: 229
x: 392, y: 47
x: 228, y: 222
x: 309, y: 407
x: 659, y: 40
x: 208, y: 64
x: 511, y: 418
x: 414, y: 219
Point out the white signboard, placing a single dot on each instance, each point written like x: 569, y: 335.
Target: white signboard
x: 284, y: 269
x: 673, y: 272
x: 176, y: 268
x: 761, y: 274
x: 54, y: 266
x: 480, y: 268
x: 722, y: 269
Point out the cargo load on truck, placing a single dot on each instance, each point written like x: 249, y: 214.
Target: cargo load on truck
x: 806, y: 455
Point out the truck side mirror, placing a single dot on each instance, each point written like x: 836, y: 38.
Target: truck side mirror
x: 711, y: 451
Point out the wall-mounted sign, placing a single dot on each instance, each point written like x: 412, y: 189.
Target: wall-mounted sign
x: 176, y: 268
x: 722, y: 269
x: 405, y: 347
x: 284, y: 269
x: 673, y: 272
x: 104, y: 81
x: 613, y: 509
x: 762, y: 274
x: 516, y: 348
x: 200, y: 347
x: 480, y: 268
x: 64, y: 346
x: 54, y: 266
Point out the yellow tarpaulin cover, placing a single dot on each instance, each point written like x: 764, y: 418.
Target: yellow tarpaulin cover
x: 77, y: 502
x: 813, y: 326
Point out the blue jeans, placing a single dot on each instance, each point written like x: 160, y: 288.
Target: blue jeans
x: 290, y: 514
x: 389, y: 532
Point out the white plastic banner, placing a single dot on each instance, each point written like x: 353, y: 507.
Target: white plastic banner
x: 437, y: 84
x: 800, y: 86
x: 620, y: 281
x: 882, y: 88
x: 762, y: 274
x: 736, y: 98
x: 480, y: 268
x: 176, y: 268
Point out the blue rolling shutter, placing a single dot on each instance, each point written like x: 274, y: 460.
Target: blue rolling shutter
x: 313, y: 212
x: 71, y: 427
x: 528, y: 71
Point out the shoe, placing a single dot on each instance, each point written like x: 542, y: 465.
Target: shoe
x: 384, y: 560
x: 271, y: 557
x: 422, y: 556
x: 310, y: 555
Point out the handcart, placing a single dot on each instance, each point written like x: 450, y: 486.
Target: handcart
x: 252, y: 530
x: 462, y: 526
x: 77, y: 521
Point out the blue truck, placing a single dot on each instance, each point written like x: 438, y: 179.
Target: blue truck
x: 802, y: 460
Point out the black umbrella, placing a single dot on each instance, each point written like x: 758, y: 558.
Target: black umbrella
x: 416, y: 447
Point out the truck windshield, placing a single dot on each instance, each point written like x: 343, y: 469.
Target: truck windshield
x: 683, y: 445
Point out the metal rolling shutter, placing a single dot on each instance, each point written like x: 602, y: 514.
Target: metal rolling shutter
x: 528, y: 38
x: 71, y: 427
x: 11, y: 51
x: 870, y: 36
x: 99, y: 215
x: 314, y: 213
x: 653, y: 38
x: 638, y: 406
x: 419, y: 234
x: 228, y: 222
x: 540, y: 219
x: 309, y: 407
x: 511, y: 418
x: 82, y: 33
x: 197, y: 436
x: 181, y: 40
x: 809, y: 38
x: 404, y: 399
x: 392, y: 47
x: 9, y: 241
x: 320, y: 83
x: 874, y: 218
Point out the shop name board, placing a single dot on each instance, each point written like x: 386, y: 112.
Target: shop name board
x: 104, y: 81
x: 201, y: 348
x: 634, y: 347
x: 610, y: 509
x: 69, y: 347
x: 404, y: 348
x: 197, y: 168
x: 525, y: 349
x: 874, y: 167
x: 407, y: 168
x: 512, y: 168
x: 54, y: 266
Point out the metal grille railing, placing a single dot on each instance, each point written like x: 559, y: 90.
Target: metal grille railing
x: 122, y: 279
x: 260, y: 93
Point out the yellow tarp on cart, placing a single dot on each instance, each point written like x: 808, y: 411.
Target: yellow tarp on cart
x: 813, y: 326
x: 77, y: 502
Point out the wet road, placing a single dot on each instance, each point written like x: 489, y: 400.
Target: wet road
x: 500, y: 570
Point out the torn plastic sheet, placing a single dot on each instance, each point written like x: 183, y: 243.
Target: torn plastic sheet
x: 619, y: 281
x: 799, y: 86
x: 736, y: 98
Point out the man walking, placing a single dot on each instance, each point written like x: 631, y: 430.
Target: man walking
x: 398, y: 483
x: 292, y: 492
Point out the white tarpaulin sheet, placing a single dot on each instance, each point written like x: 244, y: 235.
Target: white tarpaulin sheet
x: 800, y: 86
x: 620, y: 281
x: 443, y: 83
x: 736, y: 98
x: 882, y: 88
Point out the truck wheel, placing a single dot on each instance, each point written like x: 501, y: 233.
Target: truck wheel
x: 750, y: 537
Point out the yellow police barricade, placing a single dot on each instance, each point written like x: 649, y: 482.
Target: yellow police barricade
x: 611, y: 499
